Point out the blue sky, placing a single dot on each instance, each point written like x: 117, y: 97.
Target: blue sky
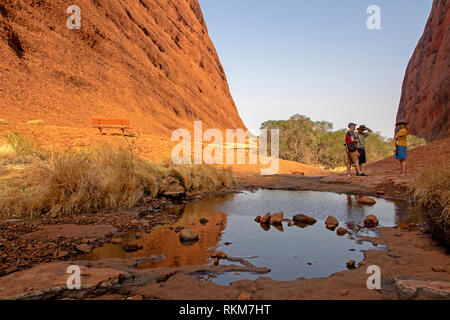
x: 316, y: 57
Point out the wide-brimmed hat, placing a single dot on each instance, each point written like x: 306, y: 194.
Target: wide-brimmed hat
x: 362, y: 127
x: 402, y: 121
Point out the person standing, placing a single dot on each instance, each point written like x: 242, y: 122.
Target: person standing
x: 352, y: 149
x: 361, y: 136
x: 400, y: 139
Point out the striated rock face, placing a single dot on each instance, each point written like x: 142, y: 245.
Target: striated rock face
x: 425, y: 100
x: 150, y: 61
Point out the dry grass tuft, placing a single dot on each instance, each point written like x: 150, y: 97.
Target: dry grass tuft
x: 36, y: 182
x: 431, y: 190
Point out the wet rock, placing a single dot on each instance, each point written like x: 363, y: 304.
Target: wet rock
x: 366, y: 200
x: 331, y: 223
x: 341, y: 231
x: 227, y: 243
x: 85, y: 248
x: 371, y: 221
x: 351, y: 264
x: 291, y: 223
x: 276, y: 218
x: 245, y: 296
x: 132, y: 247
x: 203, y: 221
x: 216, y: 261
x: 219, y: 255
x: 266, y: 218
x: 258, y: 219
x: 303, y: 218
x: 188, y: 235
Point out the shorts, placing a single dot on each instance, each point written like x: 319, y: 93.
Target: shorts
x: 352, y: 158
x: 362, y: 156
x: 400, y: 153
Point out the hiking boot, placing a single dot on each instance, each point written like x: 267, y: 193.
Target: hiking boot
x: 362, y: 175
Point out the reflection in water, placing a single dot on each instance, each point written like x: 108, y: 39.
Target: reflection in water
x: 289, y: 251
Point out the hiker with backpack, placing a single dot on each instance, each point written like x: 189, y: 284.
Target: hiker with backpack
x: 351, y: 146
x: 400, y: 139
x: 361, y: 136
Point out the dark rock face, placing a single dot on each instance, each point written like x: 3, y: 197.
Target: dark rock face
x: 150, y: 61
x: 425, y: 103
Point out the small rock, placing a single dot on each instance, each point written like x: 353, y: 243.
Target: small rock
x: 371, y: 221
x: 137, y: 235
x: 438, y: 268
x: 220, y: 255
x: 258, y: 219
x: 290, y: 224
x: 227, y: 243
x: 266, y: 218
x: 134, y: 222
x: 216, y: 261
x: 331, y: 223
x: 85, y: 248
x: 61, y: 254
x: 341, y: 231
x: 351, y: 264
x: 276, y: 218
x: 117, y: 241
x: 398, y: 234
x: 203, y: 221
x: 303, y: 218
x: 245, y: 296
x: 344, y: 292
x: 132, y: 247
x: 188, y: 235
x: 179, y: 228
x: 361, y: 263
x: 138, y: 297
x: 366, y: 200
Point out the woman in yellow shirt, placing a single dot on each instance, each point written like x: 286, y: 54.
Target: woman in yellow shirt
x: 400, y: 144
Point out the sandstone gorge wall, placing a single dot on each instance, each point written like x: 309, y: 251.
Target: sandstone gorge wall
x: 425, y: 100
x: 150, y: 61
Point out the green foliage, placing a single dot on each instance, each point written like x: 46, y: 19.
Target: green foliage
x: 316, y: 143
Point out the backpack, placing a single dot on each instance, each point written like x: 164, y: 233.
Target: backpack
x: 351, y: 145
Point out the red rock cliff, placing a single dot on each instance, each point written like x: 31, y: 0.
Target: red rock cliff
x: 151, y: 61
x: 425, y: 100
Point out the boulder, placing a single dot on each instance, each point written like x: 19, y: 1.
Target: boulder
x: 331, y: 223
x: 303, y: 218
x: 276, y: 218
x: 188, y: 235
x: 266, y: 218
x: 366, y: 200
x: 371, y: 221
x: 341, y: 231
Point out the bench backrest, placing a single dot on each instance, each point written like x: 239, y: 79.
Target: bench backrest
x: 102, y: 121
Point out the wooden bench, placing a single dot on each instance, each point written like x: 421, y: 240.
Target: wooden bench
x: 101, y: 124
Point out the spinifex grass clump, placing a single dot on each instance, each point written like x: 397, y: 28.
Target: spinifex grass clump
x: 431, y: 190
x: 66, y: 183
